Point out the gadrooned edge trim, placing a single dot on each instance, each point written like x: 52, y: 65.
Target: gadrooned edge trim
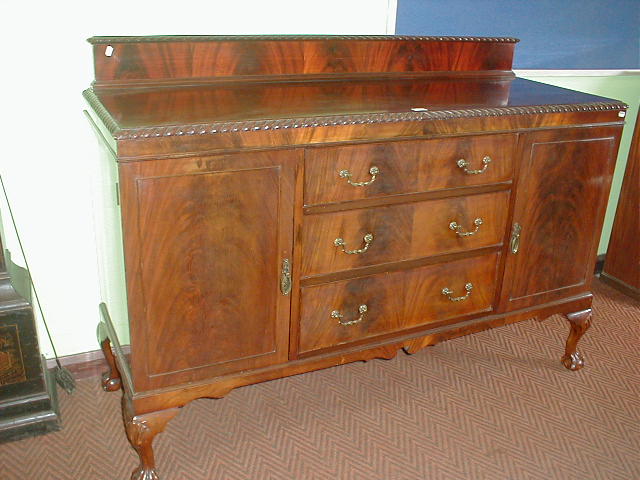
x: 228, y: 38
x: 337, y: 120
x: 102, y: 113
x: 327, y: 121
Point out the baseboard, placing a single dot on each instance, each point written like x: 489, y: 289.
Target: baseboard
x: 574, y: 73
x: 620, y: 285
x: 82, y: 365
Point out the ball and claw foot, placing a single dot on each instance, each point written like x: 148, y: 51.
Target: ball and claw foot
x: 141, y: 430
x: 580, y: 323
x: 574, y: 362
x: 109, y: 383
x: 144, y: 474
x: 111, y: 379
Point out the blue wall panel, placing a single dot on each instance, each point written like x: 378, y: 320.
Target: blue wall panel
x: 554, y: 34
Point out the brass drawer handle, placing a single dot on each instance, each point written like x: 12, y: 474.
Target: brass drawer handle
x: 448, y: 292
x: 514, y: 244
x: 373, y: 171
x: 460, y: 230
x: 368, y: 239
x: 463, y: 164
x: 362, y: 309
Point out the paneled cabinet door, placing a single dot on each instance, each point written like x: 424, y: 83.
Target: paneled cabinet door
x: 207, y: 240
x: 561, y: 195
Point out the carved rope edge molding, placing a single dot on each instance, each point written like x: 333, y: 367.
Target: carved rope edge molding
x: 296, y: 38
x: 329, y: 121
x: 337, y: 120
x: 102, y: 113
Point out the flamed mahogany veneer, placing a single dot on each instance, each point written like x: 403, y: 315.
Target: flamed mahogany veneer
x: 277, y: 205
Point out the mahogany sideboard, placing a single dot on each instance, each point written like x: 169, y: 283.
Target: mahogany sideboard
x: 280, y: 204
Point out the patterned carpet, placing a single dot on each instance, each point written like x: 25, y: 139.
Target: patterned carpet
x: 496, y: 405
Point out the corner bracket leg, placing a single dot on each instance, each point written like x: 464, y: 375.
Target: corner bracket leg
x: 141, y: 430
x: 111, y: 379
x: 580, y: 323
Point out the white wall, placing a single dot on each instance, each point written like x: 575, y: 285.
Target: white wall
x: 49, y: 150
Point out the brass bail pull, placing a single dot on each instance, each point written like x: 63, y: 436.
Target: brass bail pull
x: 459, y: 229
x: 463, y: 164
x: 373, y: 171
x: 449, y: 293
x: 362, y: 310
x: 368, y: 239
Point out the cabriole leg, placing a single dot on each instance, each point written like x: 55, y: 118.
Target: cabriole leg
x: 111, y: 379
x: 580, y: 323
x: 141, y: 430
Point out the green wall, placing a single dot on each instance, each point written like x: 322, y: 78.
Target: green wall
x: 624, y: 86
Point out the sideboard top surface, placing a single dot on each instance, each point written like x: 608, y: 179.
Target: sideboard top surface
x: 256, y: 105
x: 170, y: 87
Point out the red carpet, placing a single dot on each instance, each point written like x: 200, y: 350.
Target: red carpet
x: 496, y: 405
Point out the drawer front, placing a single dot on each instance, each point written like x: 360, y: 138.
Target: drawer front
x: 333, y: 242
x: 338, y: 174
x: 333, y: 314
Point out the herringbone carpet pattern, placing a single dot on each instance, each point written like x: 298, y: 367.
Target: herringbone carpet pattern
x: 496, y: 405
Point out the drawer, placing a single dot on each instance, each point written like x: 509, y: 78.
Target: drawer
x: 334, y: 313
x: 337, y: 241
x: 405, y: 167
